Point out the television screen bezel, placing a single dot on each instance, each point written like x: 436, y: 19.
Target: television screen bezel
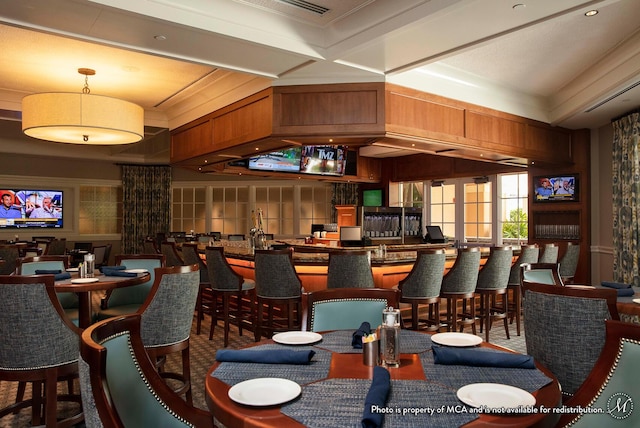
x: 379, y: 197
x: 335, y: 172
x: 557, y: 198
x: 35, y: 223
x: 251, y: 162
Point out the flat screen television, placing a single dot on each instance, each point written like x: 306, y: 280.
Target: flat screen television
x: 323, y: 160
x: 372, y: 198
x: 20, y: 208
x: 351, y: 236
x: 287, y: 160
x: 556, y: 188
x: 434, y: 235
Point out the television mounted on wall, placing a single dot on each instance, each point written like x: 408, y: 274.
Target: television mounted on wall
x: 372, y: 198
x: 286, y: 160
x: 28, y: 208
x: 323, y: 160
x: 556, y: 188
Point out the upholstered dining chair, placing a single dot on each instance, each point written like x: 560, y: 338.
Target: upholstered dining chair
x: 542, y: 273
x: 167, y: 315
x: 346, y: 308
x: 565, y: 330
x: 127, y: 300
x: 39, y: 345
x: 226, y: 284
x: 612, y: 385
x: 171, y: 255
x: 191, y: 256
x: 102, y: 254
x: 422, y: 287
x: 458, y: 286
x: 120, y: 385
x: 149, y: 246
x: 236, y: 237
x: 350, y: 269
x: 491, y: 288
x: 9, y: 254
x: 549, y: 253
x: 569, y: 262
x: 56, y: 247
x: 528, y: 254
x: 278, y: 287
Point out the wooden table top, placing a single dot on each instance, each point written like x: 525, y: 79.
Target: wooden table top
x: 348, y: 367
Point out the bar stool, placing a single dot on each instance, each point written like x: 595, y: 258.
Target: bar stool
x: 350, y: 269
x: 277, y: 285
x: 493, y: 280
x: 528, y: 254
x: 422, y: 287
x: 205, y: 294
x: 172, y: 258
x: 569, y: 262
x: 549, y: 254
x: 459, y: 285
x: 225, y: 283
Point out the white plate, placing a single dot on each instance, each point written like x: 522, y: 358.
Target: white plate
x: 266, y: 391
x: 83, y: 280
x: 456, y: 339
x: 495, y: 396
x: 72, y: 270
x: 636, y: 301
x: 297, y: 337
x: 136, y: 270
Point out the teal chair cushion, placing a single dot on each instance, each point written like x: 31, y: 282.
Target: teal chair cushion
x: 346, y: 314
x: 134, y: 401
x: 619, y: 395
x: 137, y: 294
x: 541, y: 276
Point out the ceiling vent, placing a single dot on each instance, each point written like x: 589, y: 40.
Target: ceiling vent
x: 616, y: 95
x: 308, y: 6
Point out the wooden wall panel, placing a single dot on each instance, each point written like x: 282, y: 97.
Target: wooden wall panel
x: 247, y: 122
x: 484, y: 127
x: 549, y: 140
x: 192, y: 141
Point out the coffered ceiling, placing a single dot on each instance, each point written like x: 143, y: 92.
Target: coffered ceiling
x: 542, y: 59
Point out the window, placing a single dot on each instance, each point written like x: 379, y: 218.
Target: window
x: 100, y: 210
x: 513, y: 207
x: 443, y: 207
x: 478, y: 209
x: 277, y: 209
x: 413, y: 194
x: 188, y: 210
x: 315, y: 206
x: 230, y: 210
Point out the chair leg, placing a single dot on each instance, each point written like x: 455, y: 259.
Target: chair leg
x: 257, y: 331
x: 199, y: 311
x: 505, y: 305
x: 51, y: 399
x: 186, y: 372
x: 36, y: 406
x: 239, y: 316
x: 486, y: 315
x: 22, y: 386
x: 225, y: 315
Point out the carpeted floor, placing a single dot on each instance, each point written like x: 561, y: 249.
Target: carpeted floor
x: 202, y: 353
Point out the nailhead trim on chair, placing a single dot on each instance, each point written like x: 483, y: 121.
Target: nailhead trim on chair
x: 17, y: 369
x: 609, y: 376
x: 144, y: 378
x: 354, y: 299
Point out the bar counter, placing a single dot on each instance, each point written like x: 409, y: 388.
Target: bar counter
x: 311, y: 261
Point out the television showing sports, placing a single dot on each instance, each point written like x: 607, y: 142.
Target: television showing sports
x: 372, y: 198
x: 287, y: 160
x: 556, y: 188
x: 21, y: 208
x: 323, y: 160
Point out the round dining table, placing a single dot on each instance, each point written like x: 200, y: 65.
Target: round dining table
x: 102, y: 283
x: 335, y: 384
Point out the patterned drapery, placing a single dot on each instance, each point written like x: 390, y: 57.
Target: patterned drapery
x: 626, y: 199
x: 146, y: 204
x: 342, y: 194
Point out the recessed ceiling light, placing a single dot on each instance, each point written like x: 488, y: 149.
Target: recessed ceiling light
x: 518, y: 6
x: 160, y: 37
x: 592, y: 12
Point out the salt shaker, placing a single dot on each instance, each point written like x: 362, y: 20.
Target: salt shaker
x: 390, y: 338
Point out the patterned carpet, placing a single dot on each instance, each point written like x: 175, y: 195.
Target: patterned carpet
x: 203, y: 352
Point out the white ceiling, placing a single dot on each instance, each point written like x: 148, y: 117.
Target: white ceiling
x: 180, y: 59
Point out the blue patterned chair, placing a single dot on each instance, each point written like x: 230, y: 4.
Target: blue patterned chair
x: 39, y: 345
x: 350, y: 269
x: 493, y: 280
x: 167, y: 315
x: 565, y: 330
x: 569, y: 262
x: 171, y: 255
x: 120, y: 385
x: 459, y: 285
x: 613, y: 384
x: 127, y: 300
x: 346, y: 308
x: 191, y: 256
x: 549, y: 254
x: 278, y: 287
x: 226, y: 284
x: 422, y: 287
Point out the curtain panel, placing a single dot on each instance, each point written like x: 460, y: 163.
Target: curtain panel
x: 146, y: 204
x: 343, y: 194
x: 626, y: 199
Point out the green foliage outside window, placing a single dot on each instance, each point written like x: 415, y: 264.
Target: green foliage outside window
x: 517, y: 225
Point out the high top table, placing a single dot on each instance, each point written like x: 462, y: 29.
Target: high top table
x: 335, y: 384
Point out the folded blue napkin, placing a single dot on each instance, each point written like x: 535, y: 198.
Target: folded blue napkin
x: 477, y: 358
x: 623, y: 292
x: 265, y: 356
x: 363, y: 330
x: 377, y: 396
x: 616, y: 285
x: 59, y: 275
x: 116, y: 271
